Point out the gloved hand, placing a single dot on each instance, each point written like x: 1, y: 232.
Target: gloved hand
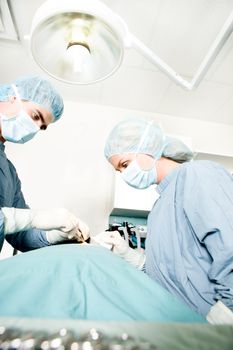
x: 16, y: 220
x: 121, y: 248
x: 81, y: 234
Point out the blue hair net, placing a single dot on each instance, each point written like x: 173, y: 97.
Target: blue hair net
x: 177, y: 150
x: 38, y: 90
x: 142, y: 136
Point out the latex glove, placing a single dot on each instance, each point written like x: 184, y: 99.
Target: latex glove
x: 81, y: 234
x: 220, y: 314
x: 16, y: 220
x: 121, y: 248
x: 56, y: 236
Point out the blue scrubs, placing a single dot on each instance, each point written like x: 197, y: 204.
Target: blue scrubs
x: 11, y: 196
x: 189, y: 246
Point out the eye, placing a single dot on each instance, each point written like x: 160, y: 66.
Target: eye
x: 125, y: 164
x: 35, y: 116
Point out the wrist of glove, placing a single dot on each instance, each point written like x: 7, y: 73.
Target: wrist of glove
x: 56, y: 236
x: 135, y: 258
x: 16, y: 220
x: 120, y: 247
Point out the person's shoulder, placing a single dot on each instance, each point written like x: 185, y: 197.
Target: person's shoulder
x: 204, y: 169
x: 201, y: 165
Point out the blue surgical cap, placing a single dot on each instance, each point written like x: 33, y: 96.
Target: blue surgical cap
x: 38, y: 90
x: 142, y: 136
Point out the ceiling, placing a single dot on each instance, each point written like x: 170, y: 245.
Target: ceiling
x: 179, y: 31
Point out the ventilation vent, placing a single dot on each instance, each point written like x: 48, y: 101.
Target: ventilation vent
x: 7, y: 27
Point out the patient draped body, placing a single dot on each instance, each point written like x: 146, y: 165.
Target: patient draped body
x: 189, y: 246
x: 84, y: 282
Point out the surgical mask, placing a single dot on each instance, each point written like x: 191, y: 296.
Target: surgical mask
x: 136, y: 177
x: 20, y: 128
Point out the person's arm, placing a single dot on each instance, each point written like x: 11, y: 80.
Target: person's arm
x: 25, y: 240
x: 209, y: 211
x: 2, y: 236
x: 36, y: 228
x: 59, y: 223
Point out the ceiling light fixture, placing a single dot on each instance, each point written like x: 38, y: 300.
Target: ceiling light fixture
x: 83, y: 42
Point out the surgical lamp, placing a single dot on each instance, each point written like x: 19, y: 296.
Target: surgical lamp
x: 83, y: 42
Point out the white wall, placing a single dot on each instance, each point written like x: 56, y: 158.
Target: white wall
x: 65, y: 166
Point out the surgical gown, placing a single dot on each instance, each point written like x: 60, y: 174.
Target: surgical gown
x: 11, y: 196
x: 189, y: 247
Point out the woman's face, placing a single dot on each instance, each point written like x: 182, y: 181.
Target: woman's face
x: 122, y: 161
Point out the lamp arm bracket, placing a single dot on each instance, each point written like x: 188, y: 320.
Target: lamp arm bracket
x: 209, y: 58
